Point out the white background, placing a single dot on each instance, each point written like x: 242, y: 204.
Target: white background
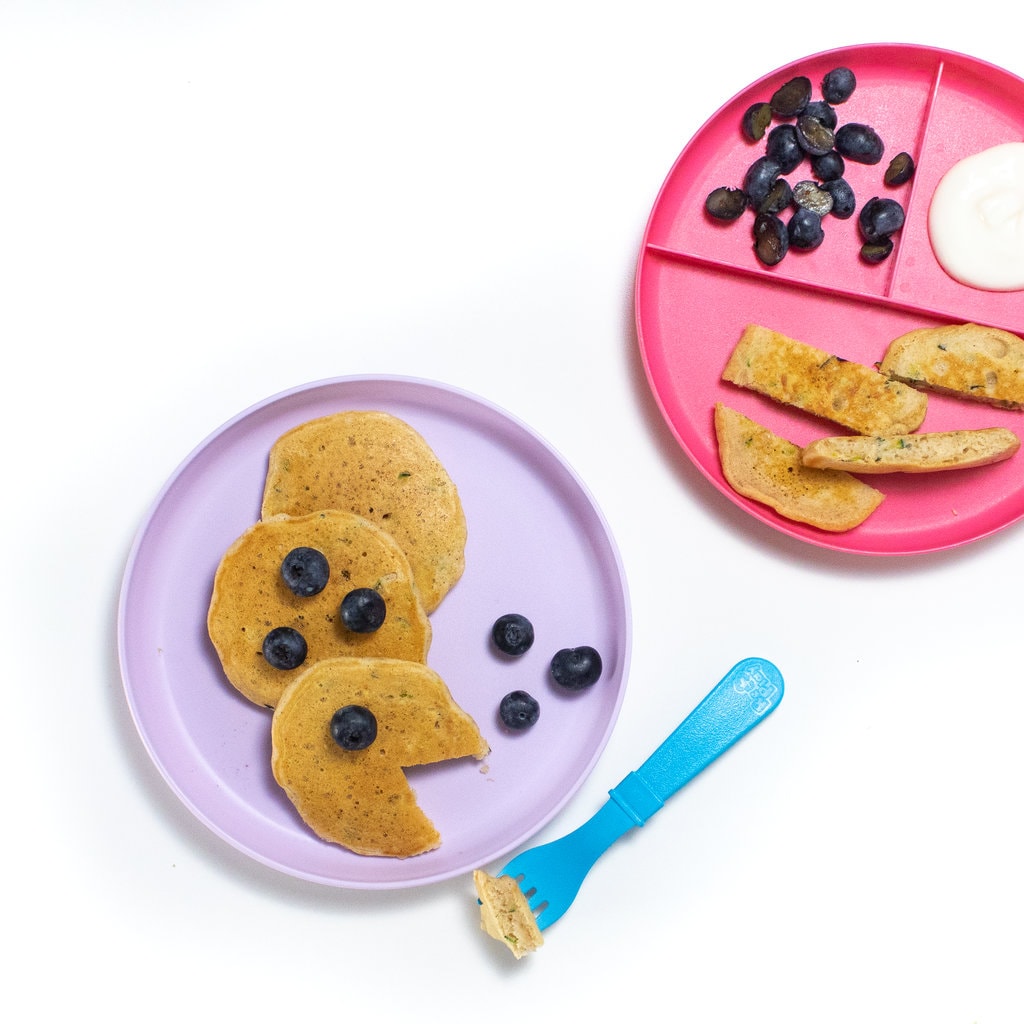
x: 202, y: 204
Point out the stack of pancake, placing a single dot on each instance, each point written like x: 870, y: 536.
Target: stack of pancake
x: 365, y: 490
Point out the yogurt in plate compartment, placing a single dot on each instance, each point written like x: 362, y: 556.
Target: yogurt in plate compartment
x: 976, y: 219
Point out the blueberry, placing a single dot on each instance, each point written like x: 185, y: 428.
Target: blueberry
x: 812, y: 196
x: 879, y: 218
x: 305, y: 571
x: 576, y: 668
x: 838, y: 85
x: 725, y: 203
x: 900, y: 170
x: 824, y: 112
x: 804, y: 229
x: 363, y: 610
x: 783, y: 148
x: 790, y: 99
x: 779, y: 196
x: 353, y: 727
x: 512, y: 634
x: 860, y: 143
x: 875, y: 252
x: 844, y: 202
x: 758, y: 180
x: 284, y: 648
x: 816, y: 139
x: 828, y: 166
x: 756, y: 119
x: 518, y: 710
x: 771, y: 241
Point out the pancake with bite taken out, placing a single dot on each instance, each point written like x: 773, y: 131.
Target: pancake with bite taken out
x: 360, y: 798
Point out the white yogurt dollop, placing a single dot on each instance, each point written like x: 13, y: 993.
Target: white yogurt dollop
x: 976, y: 219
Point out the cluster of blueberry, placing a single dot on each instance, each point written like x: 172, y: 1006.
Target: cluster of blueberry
x: 305, y: 572
x: 808, y: 130
x: 572, y: 668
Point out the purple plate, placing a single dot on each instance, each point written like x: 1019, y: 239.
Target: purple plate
x: 538, y: 545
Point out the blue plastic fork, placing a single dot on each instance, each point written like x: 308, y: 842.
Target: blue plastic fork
x: 550, y: 876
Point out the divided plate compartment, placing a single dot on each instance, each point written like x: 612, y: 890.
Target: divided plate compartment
x: 699, y: 283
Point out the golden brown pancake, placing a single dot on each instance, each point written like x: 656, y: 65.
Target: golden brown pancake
x: 767, y: 468
x: 250, y: 598
x: 797, y: 374
x: 970, y: 361
x: 376, y: 465
x: 933, y: 452
x: 360, y: 799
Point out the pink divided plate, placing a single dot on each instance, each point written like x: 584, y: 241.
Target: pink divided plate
x: 537, y: 545
x: 699, y: 282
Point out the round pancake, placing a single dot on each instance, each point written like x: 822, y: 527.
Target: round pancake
x: 360, y: 799
x: 376, y: 465
x: 250, y: 598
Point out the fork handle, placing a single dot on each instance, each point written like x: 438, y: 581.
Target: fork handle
x: 745, y: 695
